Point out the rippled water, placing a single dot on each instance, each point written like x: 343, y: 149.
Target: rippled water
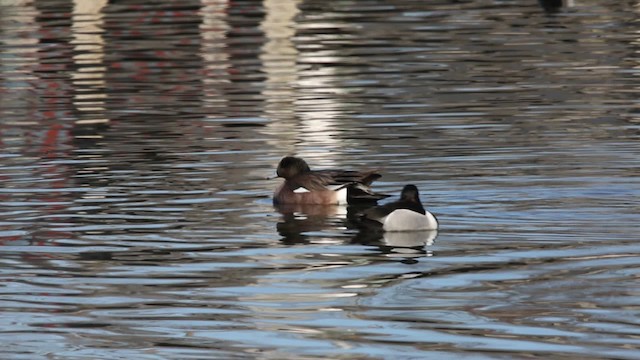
x: 136, y: 218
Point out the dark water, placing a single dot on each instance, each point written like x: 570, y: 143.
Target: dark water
x: 136, y: 221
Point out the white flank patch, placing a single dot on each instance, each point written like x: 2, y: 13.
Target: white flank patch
x: 342, y: 196
x: 301, y: 190
x: 341, y: 192
x: 407, y: 220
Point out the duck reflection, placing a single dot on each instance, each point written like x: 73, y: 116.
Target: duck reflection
x: 298, y: 220
x: 303, y: 224
x: 555, y: 5
x: 404, y: 244
x: 410, y: 238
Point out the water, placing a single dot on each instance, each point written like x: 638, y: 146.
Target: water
x: 135, y: 214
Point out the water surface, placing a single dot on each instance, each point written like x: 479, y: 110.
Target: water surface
x: 137, y: 138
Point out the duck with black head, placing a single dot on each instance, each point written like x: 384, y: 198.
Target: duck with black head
x: 404, y: 214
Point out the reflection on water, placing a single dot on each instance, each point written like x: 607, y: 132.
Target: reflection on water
x: 136, y: 221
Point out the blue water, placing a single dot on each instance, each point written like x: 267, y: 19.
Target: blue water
x: 137, y: 140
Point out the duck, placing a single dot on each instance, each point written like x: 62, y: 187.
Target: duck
x: 323, y: 187
x: 404, y: 214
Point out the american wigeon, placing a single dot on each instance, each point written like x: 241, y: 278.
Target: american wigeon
x: 323, y: 187
x: 406, y: 214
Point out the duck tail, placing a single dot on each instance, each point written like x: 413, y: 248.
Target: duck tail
x: 362, y: 193
x: 370, y: 177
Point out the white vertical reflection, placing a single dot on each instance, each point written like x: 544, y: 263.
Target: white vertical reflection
x: 635, y: 59
x: 89, y: 77
x: 19, y: 41
x: 214, y: 52
x: 279, y: 57
x: 306, y: 127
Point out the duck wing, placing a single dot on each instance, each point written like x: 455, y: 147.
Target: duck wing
x: 348, y: 177
x: 333, y: 179
x: 312, y: 181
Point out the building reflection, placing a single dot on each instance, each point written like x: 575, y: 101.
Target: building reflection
x: 19, y: 29
x: 34, y: 94
x: 279, y: 59
x: 88, y: 77
x: 214, y: 51
x: 304, y: 114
